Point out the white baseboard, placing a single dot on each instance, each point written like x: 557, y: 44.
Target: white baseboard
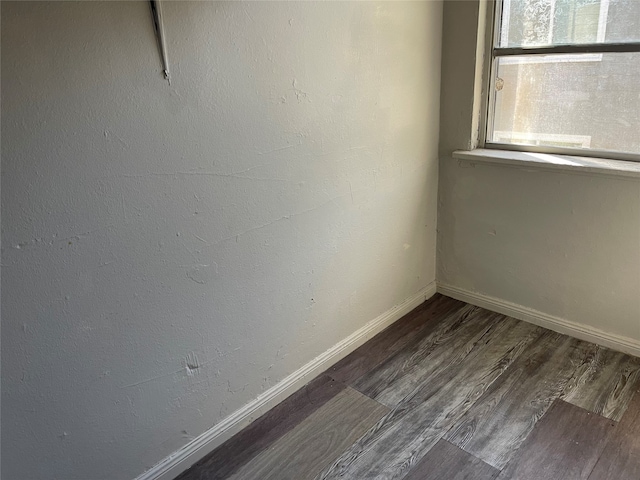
x: 183, y: 458
x: 557, y: 324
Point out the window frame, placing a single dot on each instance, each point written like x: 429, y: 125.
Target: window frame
x: 492, y: 51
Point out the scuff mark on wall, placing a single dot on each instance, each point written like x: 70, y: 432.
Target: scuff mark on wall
x: 231, y: 390
x: 209, y: 174
x: 286, y: 147
x: 202, y: 274
x: 191, y: 364
x: 151, y: 379
x: 466, y: 164
x: 108, y: 134
x: 300, y: 94
x: 201, y: 239
x: 284, y: 217
x: 124, y: 207
x: 38, y: 241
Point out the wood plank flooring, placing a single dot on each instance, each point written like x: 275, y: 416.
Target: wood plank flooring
x: 317, y: 441
x: 605, y: 382
x: 621, y: 457
x: 504, y: 416
x: 406, y: 434
x: 224, y: 461
x: 416, y: 325
x: 565, y: 444
x: 451, y: 392
x: 447, y: 462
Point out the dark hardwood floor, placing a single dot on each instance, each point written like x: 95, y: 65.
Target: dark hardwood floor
x: 450, y: 392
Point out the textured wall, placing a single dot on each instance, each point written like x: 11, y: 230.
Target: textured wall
x: 567, y: 245
x: 172, y: 251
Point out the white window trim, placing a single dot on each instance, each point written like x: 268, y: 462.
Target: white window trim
x: 555, y: 162
x: 512, y: 151
x: 580, y: 141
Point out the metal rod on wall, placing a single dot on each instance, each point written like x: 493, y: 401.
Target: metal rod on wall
x: 156, y: 12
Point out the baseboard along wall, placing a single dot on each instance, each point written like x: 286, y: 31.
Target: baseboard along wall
x: 557, y: 324
x: 199, y: 447
x: 177, y: 462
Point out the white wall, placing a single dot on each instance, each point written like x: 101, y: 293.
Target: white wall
x: 276, y: 197
x: 565, y: 245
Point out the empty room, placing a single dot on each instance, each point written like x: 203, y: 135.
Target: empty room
x: 314, y: 240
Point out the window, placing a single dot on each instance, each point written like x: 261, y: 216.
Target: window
x: 566, y: 77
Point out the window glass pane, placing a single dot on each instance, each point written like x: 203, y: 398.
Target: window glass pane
x: 578, y: 101
x: 558, y: 22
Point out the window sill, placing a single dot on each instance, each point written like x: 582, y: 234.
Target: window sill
x: 546, y: 161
